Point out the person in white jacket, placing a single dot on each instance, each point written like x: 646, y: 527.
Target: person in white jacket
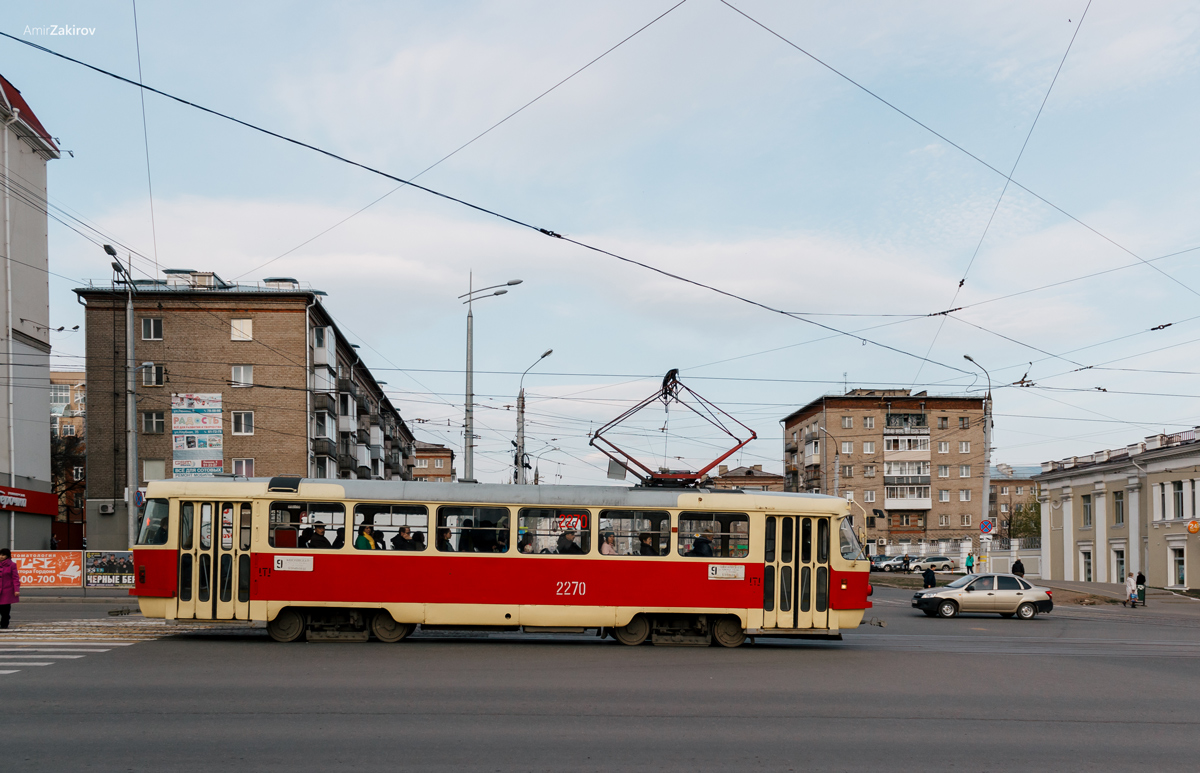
x: 1130, y: 591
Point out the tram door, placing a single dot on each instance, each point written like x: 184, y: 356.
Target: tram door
x: 796, y: 574
x: 214, y: 560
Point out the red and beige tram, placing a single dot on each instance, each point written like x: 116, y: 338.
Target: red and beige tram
x: 348, y: 559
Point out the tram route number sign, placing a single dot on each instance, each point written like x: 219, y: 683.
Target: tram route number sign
x: 293, y: 563
x: 1193, y: 526
x: 726, y: 572
x: 986, y: 527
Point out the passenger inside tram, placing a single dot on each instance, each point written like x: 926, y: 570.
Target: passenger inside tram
x: 365, y: 539
x: 318, y: 540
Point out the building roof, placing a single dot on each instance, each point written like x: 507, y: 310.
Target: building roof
x: 881, y: 396
x: 1153, y: 445
x: 747, y: 472
x: 13, y: 102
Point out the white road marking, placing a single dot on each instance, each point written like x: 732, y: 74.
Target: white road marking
x: 12, y: 655
x: 26, y: 664
x: 8, y: 672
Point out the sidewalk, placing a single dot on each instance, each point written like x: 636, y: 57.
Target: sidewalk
x: 77, y: 595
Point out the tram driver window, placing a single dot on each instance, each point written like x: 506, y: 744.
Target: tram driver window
x: 155, y: 520
x: 714, y: 535
x: 635, y: 532
x: 313, y: 525
x: 393, y: 527
x: 554, y: 531
x: 472, y: 529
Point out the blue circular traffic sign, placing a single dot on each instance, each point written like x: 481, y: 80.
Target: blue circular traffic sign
x: 985, y: 527
x: 139, y: 498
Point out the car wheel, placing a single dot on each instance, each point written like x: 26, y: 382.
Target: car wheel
x: 1006, y: 615
x: 1026, y: 611
x: 887, y: 568
x: 947, y: 609
x: 946, y: 567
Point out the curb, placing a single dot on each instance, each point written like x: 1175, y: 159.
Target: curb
x: 75, y: 600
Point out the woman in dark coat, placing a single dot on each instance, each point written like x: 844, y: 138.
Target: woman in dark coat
x: 10, y: 586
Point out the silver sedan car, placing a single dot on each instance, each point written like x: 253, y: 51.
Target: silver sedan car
x: 1002, y: 594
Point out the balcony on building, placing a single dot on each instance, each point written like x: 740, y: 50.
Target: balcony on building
x: 812, y: 452
x: 907, y: 497
x: 348, y: 424
x: 323, y: 446
x: 906, y: 424
x: 324, y: 402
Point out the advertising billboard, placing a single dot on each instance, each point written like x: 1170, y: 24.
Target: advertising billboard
x: 197, y: 435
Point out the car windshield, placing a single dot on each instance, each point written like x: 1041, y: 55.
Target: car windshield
x: 961, y: 581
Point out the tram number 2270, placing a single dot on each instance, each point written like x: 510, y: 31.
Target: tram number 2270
x: 571, y: 588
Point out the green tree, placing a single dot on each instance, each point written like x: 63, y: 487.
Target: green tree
x: 1025, y: 520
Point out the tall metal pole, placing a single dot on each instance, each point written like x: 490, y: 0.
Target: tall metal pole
x: 131, y: 474
x: 469, y: 419
x: 520, y: 476
x: 837, y: 459
x: 987, y: 443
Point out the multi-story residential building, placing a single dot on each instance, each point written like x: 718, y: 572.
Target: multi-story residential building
x: 68, y: 455
x: 1014, y: 493
x: 749, y: 478
x: 29, y: 505
x: 913, y: 463
x: 242, y: 379
x: 1124, y: 510
x: 433, y: 462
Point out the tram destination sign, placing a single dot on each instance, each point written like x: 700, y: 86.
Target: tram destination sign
x: 726, y: 572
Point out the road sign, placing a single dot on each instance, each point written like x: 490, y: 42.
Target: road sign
x: 1193, y: 526
x: 985, y: 527
x: 139, y: 498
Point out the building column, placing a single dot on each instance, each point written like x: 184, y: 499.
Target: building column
x: 1133, y: 517
x: 1189, y: 498
x: 1099, y: 516
x: 1068, y: 535
x: 1044, y: 502
x: 1156, y: 504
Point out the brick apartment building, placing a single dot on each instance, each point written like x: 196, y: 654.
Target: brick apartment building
x: 1013, y: 491
x: 68, y: 455
x: 433, y: 462
x: 266, y: 359
x: 913, y: 462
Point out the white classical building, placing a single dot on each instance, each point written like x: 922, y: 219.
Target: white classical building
x: 1124, y: 510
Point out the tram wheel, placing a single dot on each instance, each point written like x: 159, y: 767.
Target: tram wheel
x: 387, y: 629
x: 728, y: 632
x: 288, y: 625
x: 634, y: 633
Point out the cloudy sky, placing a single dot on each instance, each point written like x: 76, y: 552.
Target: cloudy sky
x: 853, y: 187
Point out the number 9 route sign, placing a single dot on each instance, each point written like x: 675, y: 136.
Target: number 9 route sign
x: 986, y: 527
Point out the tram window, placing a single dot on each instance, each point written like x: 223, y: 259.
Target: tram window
x: 635, y: 532
x: 206, y: 519
x: 187, y: 512
x: 393, y: 527
x: 227, y: 528
x: 244, y: 528
x: 714, y: 535
x: 850, y: 547
x: 313, y: 525
x: 155, y: 521
x: 472, y: 529
x: 556, y: 531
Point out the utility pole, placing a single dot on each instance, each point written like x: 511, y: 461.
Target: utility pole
x: 131, y: 475
x: 520, y: 472
x: 987, y: 443
x: 837, y: 459
x: 469, y: 412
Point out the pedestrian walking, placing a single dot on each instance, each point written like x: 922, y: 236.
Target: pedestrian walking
x: 1018, y: 568
x: 1130, y: 591
x: 970, y: 562
x: 1141, y: 587
x: 929, y: 578
x: 10, y: 586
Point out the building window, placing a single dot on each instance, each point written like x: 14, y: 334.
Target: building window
x: 847, y: 422
x: 906, y: 444
x: 906, y: 492
x: 870, y: 522
x: 964, y: 520
x: 868, y: 496
x: 944, y: 495
x: 1119, y: 511
x: 67, y: 430
x: 943, y: 471
x: 422, y: 463
x: 154, y: 422
x: 847, y: 471
x: 868, y: 471
x: 904, y: 520
x: 964, y: 470
x: 60, y: 394
x: 1003, y: 508
x: 153, y: 375
x: 1178, y: 567
x: 243, y: 422
x: 243, y: 468
x: 1085, y: 557
x: 868, y: 446
x: 943, y: 520
x: 321, y: 467
x: 1020, y: 490
x: 964, y: 495
x: 1177, y: 497
x: 868, y: 422
x: 848, y: 447
x: 1003, y: 490
x: 438, y: 463
x: 154, y: 469
x: 943, y: 446
x: 943, y: 422
x: 964, y: 422
x: 322, y: 425
x: 849, y: 496
x: 241, y: 330
x: 79, y: 473
x: 964, y: 446
x: 1087, y: 510
x: 319, y: 337
x: 243, y: 376
x: 151, y: 328
x: 905, y: 468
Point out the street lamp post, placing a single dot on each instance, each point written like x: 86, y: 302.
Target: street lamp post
x: 131, y: 475
x: 469, y: 415
x: 837, y: 467
x: 537, y: 459
x: 987, y: 441
x: 520, y: 475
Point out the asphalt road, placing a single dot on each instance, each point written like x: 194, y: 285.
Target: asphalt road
x: 1080, y: 689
